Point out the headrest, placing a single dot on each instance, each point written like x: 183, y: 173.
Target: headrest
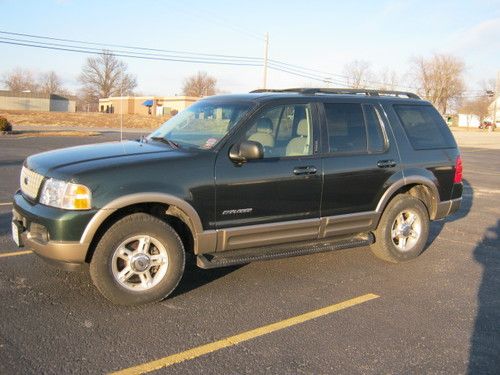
x: 303, y: 128
x: 264, y: 125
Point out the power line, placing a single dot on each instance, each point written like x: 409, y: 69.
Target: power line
x: 298, y: 74
x: 175, y: 55
x: 126, y: 47
x: 81, y: 46
x: 94, y: 52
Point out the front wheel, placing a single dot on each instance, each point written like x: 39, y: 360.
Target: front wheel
x: 139, y: 259
x: 403, y: 230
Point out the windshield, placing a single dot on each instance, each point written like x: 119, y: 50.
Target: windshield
x: 202, y: 125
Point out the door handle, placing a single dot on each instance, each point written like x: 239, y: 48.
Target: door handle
x: 386, y: 164
x: 311, y: 169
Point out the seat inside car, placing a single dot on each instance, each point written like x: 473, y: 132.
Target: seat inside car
x: 264, y: 133
x: 300, y: 144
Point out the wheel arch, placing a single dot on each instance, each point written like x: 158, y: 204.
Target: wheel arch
x: 419, y: 187
x: 164, y: 205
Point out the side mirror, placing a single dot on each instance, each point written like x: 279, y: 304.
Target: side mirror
x: 242, y: 152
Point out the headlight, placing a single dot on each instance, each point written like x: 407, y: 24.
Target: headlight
x: 66, y: 195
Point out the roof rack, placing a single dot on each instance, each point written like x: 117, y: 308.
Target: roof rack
x: 342, y: 91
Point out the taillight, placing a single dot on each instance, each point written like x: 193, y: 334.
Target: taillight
x: 458, y: 170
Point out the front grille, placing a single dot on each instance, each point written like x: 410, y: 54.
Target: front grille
x: 30, y: 182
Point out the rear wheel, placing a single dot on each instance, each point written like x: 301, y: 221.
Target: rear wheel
x: 403, y: 230
x: 139, y: 259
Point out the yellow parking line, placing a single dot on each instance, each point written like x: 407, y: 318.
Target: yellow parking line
x: 15, y: 253
x: 241, y: 337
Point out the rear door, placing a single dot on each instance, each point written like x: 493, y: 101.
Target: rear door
x: 360, y: 157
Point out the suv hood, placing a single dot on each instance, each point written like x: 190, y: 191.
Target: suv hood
x: 74, y: 159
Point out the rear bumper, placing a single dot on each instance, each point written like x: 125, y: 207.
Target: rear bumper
x: 447, y: 208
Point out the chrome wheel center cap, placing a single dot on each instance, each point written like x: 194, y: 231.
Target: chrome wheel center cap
x: 405, y: 230
x: 140, y: 262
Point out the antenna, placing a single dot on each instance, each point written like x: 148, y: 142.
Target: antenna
x: 121, y: 106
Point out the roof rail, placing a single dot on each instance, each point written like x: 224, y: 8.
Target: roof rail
x: 343, y: 91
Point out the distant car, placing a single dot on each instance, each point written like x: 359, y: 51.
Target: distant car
x: 487, y: 125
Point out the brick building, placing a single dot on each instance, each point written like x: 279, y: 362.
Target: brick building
x: 144, y: 105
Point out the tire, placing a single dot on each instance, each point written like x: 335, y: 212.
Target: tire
x: 139, y: 259
x: 403, y: 230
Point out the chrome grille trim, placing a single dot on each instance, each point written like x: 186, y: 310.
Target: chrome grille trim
x: 30, y: 182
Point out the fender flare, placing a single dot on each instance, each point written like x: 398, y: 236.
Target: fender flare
x: 420, y: 180
x: 102, y: 214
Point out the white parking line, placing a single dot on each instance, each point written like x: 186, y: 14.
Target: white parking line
x: 6, y: 204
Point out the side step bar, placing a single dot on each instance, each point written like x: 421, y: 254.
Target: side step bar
x: 243, y: 256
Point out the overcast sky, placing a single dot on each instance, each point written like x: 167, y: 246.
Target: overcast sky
x: 322, y: 35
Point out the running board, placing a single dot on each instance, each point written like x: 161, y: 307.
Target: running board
x: 243, y: 256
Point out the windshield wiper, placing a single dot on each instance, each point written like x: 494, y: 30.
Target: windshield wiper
x: 167, y: 141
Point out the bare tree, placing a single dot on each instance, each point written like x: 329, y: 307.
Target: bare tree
x: 104, y: 76
x: 440, y: 79
x: 50, y: 83
x: 19, y: 80
x: 358, y: 74
x: 478, y: 106
x: 387, y: 79
x: 200, y: 84
x: 488, y: 84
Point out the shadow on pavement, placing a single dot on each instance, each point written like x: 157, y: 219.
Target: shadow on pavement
x: 5, y: 223
x: 195, y: 277
x: 484, y: 355
x: 7, y: 163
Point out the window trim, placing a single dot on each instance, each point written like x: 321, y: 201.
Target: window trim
x: 381, y: 125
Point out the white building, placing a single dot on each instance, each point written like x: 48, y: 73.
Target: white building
x: 492, y: 107
x: 468, y: 120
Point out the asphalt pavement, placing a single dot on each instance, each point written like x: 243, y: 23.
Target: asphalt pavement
x: 343, y: 312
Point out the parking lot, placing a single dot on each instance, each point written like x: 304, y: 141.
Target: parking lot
x: 338, y: 312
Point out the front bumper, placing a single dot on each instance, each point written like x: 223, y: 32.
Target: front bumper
x: 66, y: 255
x: 52, y: 233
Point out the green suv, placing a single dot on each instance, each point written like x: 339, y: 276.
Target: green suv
x: 238, y: 178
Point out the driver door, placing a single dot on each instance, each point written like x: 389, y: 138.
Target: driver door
x: 275, y: 199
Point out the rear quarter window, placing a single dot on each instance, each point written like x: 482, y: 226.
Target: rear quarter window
x: 424, y: 127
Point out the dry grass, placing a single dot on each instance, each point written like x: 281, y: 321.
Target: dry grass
x: 82, y: 119
x: 50, y: 133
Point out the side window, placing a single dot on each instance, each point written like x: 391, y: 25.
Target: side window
x: 425, y: 127
x: 346, y: 128
x: 377, y: 139
x: 284, y: 131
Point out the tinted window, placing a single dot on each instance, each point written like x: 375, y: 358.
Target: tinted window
x: 425, y: 127
x: 374, y: 126
x: 346, y: 127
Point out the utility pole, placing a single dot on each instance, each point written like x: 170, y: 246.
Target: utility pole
x: 266, y: 58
